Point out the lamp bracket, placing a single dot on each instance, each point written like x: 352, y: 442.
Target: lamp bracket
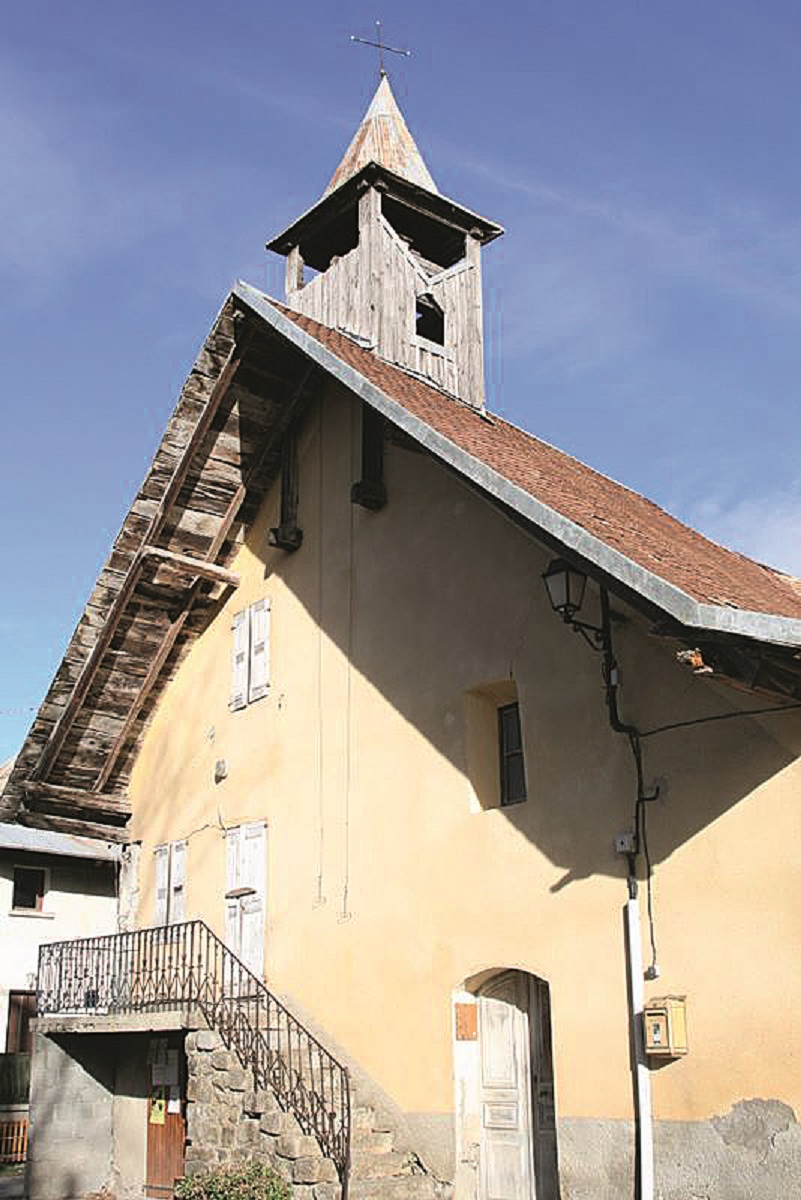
x: 593, y: 634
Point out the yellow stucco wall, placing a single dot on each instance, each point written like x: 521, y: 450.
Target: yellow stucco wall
x: 388, y: 885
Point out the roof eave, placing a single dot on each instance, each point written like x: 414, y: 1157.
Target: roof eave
x: 683, y: 608
x: 21, y: 839
x: 331, y: 204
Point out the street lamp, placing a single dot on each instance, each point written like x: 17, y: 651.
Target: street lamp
x: 566, y: 586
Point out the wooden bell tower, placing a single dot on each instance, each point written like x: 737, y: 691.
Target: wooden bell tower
x: 385, y: 258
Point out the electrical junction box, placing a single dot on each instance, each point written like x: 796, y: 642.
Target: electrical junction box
x: 665, y: 1019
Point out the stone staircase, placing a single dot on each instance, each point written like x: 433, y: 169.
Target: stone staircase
x: 228, y: 1121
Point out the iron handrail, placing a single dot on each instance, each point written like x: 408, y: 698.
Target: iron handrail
x: 187, y: 965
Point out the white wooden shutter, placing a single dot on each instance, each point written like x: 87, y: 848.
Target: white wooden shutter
x: 253, y: 867
x: 253, y: 871
x: 177, y: 910
x: 252, y: 952
x: 232, y: 927
x: 259, y: 650
x: 162, y: 884
x: 232, y: 923
x: 232, y: 842
x: 240, y: 651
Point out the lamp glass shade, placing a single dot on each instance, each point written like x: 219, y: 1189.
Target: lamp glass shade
x: 565, y: 586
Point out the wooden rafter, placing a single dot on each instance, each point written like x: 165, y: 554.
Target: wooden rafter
x: 84, y: 682
x: 174, y: 631
x: 202, y: 568
x: 65, y: 801
x: 75, y: 827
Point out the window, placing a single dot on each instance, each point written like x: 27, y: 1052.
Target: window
x: 245, y: 893
x: 250, y: 655
x: 29, y: 888
x: 496, y: 771
x: 170, y: 884
x: 430, y: 320
x: 510, y: 754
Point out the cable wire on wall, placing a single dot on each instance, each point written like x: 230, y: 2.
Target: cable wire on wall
x: 320, y: 897
x: 346, y: 914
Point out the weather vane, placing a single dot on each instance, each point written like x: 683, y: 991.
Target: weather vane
x: 380, y: 45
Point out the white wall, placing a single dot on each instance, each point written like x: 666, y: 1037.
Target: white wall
x: 80, y: 902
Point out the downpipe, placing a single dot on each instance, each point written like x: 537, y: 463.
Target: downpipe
x: 644, y: 1156
x: 644, y: 1164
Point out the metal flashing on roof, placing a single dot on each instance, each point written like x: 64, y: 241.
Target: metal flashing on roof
x: 64, y: 845
x: 759, y: 626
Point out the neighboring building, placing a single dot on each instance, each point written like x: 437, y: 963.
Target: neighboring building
x: 52, y: 887
x: 322, y: 693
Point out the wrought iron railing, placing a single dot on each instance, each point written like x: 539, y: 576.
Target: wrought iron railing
x: 187, y: 966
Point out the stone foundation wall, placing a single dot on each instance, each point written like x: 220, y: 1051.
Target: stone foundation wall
x: 71, y: 1139
x: 753, y: 1151
x: 227, y: 1121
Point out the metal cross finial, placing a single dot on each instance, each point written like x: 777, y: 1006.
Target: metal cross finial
x: 380, y: 46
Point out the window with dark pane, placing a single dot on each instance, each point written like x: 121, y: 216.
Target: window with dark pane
x: 29, y: 888
x: 430, y: 319
x: 510, y: 753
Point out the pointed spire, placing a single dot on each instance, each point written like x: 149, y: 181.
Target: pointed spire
x: 383, y: 137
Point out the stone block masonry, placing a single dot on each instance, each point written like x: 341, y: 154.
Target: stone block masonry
x: 228, y: 1121
x: 71, y: 1137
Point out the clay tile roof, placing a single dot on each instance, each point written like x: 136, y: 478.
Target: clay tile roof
x: 383, y: 137
x: 618, y: 516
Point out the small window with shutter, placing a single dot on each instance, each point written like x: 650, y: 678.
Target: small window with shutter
x: 162, y: 854
x: 177, y: 905
x: 259, y: 650
x: 170, y: 883
x: 250, y: 655
x: 240, y: 660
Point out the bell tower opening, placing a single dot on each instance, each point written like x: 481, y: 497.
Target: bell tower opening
x: 430, y: 319
x: 396, y: 264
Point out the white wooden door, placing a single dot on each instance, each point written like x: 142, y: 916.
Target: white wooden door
x: 507, y: 1167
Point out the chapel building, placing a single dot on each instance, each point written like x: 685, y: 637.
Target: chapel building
x: 455, y: 784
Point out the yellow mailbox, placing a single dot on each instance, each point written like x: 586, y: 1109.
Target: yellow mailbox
x: 665, y: 1019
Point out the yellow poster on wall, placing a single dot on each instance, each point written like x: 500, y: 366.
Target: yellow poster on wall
x: 158, y: 1106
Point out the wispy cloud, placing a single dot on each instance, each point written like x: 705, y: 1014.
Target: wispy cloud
x: 60, y: 202
x: 765, y: 527
x: 68, y: 196
x: 722, y: 243
x: 584, y: 283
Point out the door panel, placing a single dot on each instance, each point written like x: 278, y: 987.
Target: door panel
x: 506, y: 1135
x: 166, y: 1115
x: 544, y: 1108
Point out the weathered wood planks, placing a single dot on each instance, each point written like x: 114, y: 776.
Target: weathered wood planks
x: 77, y: 827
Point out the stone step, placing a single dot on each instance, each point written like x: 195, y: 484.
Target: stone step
x: 297, y: 1145
x: 276, y: 1122
x: 365, y: 1117
x: 399, y: 1187
x: 376, y: 1141
x: 313, y: 1168
x: 365, y: 1164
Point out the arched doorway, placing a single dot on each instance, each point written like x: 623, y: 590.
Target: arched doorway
x: 515, y: 1089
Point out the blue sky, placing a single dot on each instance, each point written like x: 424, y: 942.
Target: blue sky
x: 643, y: 309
